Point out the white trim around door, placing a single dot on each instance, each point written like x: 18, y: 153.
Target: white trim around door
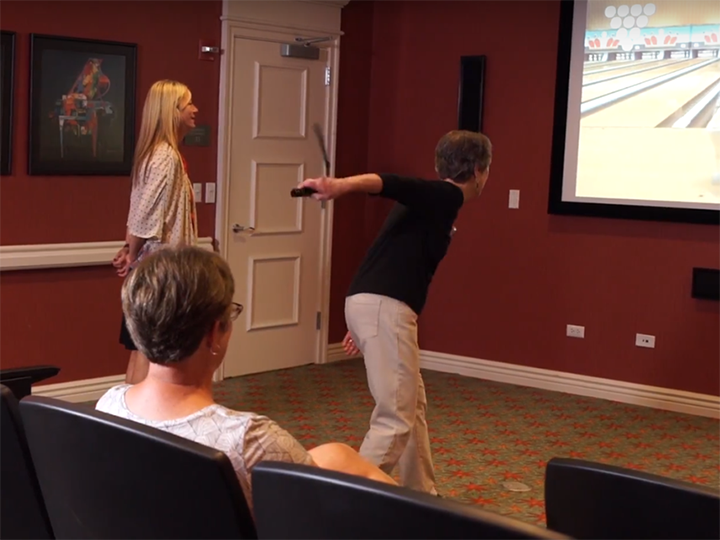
x: 258, y: 20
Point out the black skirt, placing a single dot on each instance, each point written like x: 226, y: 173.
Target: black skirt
x: 125, y: 338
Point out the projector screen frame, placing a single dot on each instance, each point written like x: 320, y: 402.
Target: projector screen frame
x: 556, y: 204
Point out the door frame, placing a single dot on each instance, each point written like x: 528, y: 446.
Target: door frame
x: 252, y: 20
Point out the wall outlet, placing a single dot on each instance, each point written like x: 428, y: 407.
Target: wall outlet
x: 210, y: 192
x: 514, y: 198
x: 575, y: 331
x: 645, y: 340
x: 197, y: 188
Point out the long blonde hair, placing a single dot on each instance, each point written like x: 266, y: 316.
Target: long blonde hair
x: 160, y: 122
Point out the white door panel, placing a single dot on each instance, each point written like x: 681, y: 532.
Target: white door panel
x: 274, y: 240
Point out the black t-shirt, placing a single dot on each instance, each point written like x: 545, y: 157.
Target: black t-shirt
x: 413, y: 240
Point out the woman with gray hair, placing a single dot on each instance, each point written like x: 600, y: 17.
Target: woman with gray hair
x: 178, y: 304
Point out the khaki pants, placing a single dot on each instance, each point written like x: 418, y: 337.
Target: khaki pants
x: 385, y: 331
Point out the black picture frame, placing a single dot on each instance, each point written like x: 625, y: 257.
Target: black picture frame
x: 7, y: 99
x: 556, y: 204
x: 68, y: 133
x: 471, y: 93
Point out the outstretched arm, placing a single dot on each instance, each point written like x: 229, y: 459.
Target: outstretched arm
x: 332, y: 188
x: 412, y: 192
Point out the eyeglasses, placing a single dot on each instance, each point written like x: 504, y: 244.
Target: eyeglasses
x: 237, y: 309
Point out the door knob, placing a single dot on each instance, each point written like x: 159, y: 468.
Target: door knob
x: 240, y: 228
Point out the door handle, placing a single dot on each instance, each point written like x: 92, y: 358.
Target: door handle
x: 236, y: 228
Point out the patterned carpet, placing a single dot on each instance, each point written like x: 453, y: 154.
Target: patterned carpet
x: 485, y: 434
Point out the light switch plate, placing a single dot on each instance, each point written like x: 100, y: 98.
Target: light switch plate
x: 514, y: 198
x: 197, y: 188
x: 210, y: 192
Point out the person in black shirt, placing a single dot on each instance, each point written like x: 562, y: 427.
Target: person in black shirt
x: 389, y: 290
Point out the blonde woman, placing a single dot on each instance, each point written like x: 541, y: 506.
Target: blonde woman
x: 162, y: 205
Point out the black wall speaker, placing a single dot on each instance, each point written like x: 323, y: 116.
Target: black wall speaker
x: 706, y: 283
x: 470, y: 93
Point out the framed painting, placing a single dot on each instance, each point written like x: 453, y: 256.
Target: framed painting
x: 82, y: 106
x: 7, y: 86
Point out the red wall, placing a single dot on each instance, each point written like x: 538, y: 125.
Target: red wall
x: 349, y: 239
x: 71, y: 317
x: 513, y: 279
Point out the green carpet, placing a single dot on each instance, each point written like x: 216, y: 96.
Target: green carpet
x: 485, y: 433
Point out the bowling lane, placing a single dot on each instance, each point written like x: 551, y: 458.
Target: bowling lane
x: 649, y: 108
x: 714, y: 122
x: 636, y: 66
x: 601, y: 89
x: 647, y: 164
x: 606, y: 66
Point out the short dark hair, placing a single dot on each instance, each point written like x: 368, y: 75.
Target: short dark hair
x: 458, y: 153
x: 172, y: 299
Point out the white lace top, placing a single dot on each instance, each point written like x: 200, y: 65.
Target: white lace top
x: 162, y: 205
x: 246, y: 438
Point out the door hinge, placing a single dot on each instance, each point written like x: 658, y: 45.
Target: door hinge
x: 318, y: 320
x: 327, y: 76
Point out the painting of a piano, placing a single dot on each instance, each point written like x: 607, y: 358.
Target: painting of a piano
x: 82, y: 106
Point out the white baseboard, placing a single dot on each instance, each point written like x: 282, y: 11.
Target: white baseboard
x: 559, y: 381
x: 35, y: 256
x: 545, y: 379
x: 581, y: 385
x: 79, y: 391
x: 84, y: 390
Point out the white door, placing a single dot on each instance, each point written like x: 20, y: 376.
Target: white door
x: 274, y: 240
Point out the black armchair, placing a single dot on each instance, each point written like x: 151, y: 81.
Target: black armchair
x: 20, y: 380
x: 592, y: 500
x: 22, y: 509
x: 107, y: 477
x: 299, y: 501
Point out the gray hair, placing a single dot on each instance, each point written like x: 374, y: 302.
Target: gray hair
x: 172, y: 299
x: 459, y: 153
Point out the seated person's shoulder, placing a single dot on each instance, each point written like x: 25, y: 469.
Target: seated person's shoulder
x: 111, y: 400
x: 264, y: 439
